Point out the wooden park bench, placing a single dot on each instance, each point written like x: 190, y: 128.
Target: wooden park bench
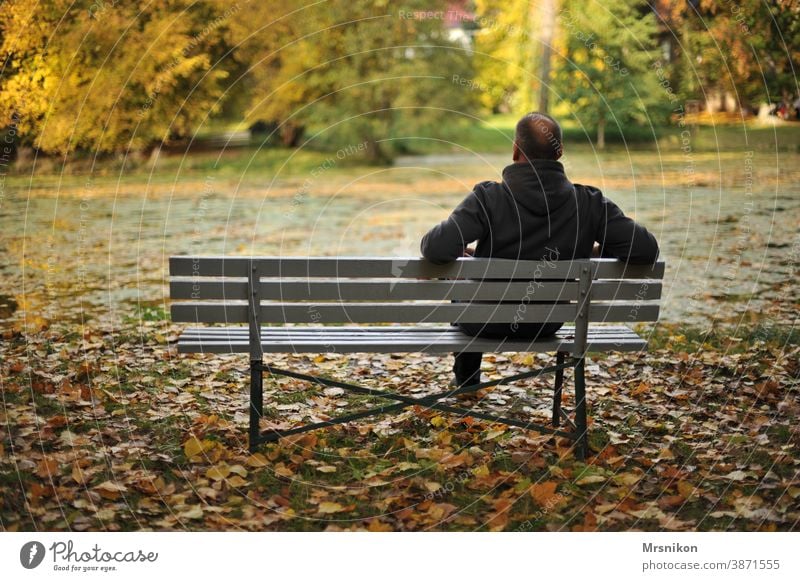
x: 318, y: 305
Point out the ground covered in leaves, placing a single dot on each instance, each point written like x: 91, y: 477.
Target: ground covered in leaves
x: 112, y: 430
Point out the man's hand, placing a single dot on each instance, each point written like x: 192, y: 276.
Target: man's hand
x: 469, y: 251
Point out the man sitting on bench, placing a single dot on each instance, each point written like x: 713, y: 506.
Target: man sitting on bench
x: 534, y: 213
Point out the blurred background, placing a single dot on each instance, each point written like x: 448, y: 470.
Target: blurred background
x: 135, y: 130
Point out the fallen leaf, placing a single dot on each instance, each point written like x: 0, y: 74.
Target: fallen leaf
x: 591, y: 479
x: 218, y: 472
x: 47, y: 468
x: 196, y: 511
x: 544, y: 493
x: 78, y: 474
x: 193, y: 446
x: 110, y: 490
x: 257, y: 460
x: 327, y: 507
x: 492, y: 434
x: 736, y: 475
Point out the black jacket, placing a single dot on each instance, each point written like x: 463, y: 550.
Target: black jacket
x: 536, y: 213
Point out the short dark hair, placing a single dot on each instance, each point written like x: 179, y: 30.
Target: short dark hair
x: 538, y: 136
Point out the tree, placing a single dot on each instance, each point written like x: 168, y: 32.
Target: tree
x: 607, y: 75
x: 361, y: 72
x: 101, y: 77
x: 750, y: 49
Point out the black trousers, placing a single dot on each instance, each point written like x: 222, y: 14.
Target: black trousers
x: 467, y: 366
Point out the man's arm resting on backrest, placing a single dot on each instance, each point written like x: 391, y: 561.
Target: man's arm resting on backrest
x: 622, y: 238
x: 446, y: 241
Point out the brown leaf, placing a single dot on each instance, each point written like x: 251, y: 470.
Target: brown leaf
x: 78, y: 474
x: 110, y: 490
x: 47, y: 468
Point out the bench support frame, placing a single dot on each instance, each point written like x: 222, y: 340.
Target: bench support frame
x: 433, y: 401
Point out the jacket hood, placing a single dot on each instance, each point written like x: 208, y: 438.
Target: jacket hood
x: 540, y: 186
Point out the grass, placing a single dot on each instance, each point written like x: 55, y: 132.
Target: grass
x: 491, y: 135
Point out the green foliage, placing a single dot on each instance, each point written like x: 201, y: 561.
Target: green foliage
x: 609, y: 49
x: 355, y: 73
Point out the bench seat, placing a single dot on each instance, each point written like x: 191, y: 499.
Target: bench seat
x: 395, y: 339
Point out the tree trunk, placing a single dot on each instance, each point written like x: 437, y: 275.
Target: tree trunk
x: 374, y: 153
x: 548, y: 30
x: 291, y: 134
x: 601, y: 133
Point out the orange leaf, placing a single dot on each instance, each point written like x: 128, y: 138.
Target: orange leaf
x: 497, y: 521
x: 48, y: 467
x: 377, y: 526
x: 544, y: 493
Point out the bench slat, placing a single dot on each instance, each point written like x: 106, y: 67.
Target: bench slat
x: 402, y: 267
x: 409, y: 312
x: 439, y: 340
x: 380, y: 290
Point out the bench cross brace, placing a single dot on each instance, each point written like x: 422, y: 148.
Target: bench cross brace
x: 257, y: 368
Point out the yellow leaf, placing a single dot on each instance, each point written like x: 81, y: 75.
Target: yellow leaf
x: 627, y: 478
x: 593, y: 479
x: 192, y: 447
x: 438, y: 421
x: 77, y: 474
x: 329, y: 507
x: 237, y: 481
x: 492, y: 434
x: 481, y: 471
x: 196, y: 511
x: 282, y: 470
x: 544, y: 493
x: 257, y: 460
x: 326, y: 468
x: 685, y: 489
x: 239, y: 469
x: 218, y: 472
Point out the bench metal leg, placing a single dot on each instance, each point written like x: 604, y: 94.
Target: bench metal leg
x: 580, y: 410
x: 557, y: 390
x: 579, y: 435
x: 256, y: 402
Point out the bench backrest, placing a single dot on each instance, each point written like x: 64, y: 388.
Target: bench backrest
x: 265, y: 290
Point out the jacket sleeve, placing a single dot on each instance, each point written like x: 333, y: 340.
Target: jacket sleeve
x: 446, y: 241
x: 622, y: 238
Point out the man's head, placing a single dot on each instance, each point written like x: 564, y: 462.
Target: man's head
x: 538, y: 136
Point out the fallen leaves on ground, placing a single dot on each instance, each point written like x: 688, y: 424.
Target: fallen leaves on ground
x: 111, y: 430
